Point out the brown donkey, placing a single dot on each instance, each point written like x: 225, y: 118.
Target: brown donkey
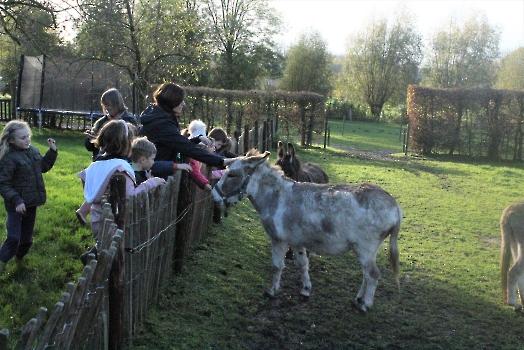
x: 512, y: 230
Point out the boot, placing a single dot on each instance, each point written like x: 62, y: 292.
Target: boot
x: 2, y: 267
x: 86, y: 258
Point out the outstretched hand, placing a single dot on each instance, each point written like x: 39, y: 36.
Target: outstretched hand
x: 206, y: 141
x: 184, y: 166
x: 228, y: 161
x: 157, y: 180
x: 52, y: 144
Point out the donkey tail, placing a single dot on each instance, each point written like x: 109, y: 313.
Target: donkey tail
x: 505, y: 255
x: 393, y: 248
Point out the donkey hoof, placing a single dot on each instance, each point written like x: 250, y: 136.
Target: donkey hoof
x: 304, y: 293
x: 269, y: 294
x: 360, y: 305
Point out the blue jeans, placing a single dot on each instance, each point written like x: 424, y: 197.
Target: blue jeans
x: 19, y: 234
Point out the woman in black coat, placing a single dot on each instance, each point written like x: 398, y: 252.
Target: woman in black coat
x: 160, y: 125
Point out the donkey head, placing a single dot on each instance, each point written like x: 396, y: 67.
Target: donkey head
x: 232, y: 187
x: 289, y: 163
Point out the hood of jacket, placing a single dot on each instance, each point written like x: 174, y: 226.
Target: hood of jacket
x: 156, y: 114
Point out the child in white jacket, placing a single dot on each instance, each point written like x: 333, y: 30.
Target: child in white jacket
x: 115, y: 140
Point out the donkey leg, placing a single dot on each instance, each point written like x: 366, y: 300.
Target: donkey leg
x: 515, y: 275
x: 278, y: 251
x: 302, y: 262
x: 369, y: 284
x: 520, y: 287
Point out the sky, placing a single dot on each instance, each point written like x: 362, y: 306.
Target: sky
x: 335, y: 20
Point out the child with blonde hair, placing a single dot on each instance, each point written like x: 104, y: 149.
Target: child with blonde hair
x: 22, y: 187
x: 115, y: 139
x: 143, y: 153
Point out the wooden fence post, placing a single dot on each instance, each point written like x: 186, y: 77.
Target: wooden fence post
x: 117, y: 194
x: 264, y: 137
x: 272, y: 134
x: 236, y: 136
x: 183, y: 227
x: 255, y: 136
x: 246, y: 139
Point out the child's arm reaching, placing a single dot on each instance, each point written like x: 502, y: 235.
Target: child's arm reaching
x: 198, y: 178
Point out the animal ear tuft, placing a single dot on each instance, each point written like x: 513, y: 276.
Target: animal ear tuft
x: 291, y: 149
x: 280, y: 149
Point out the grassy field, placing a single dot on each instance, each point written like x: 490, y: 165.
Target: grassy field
x: 449, y: 250
x: 449, y: 244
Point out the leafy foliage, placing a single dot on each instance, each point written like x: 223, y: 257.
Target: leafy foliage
x: 241, y: 38
x: 510, y: 75
x: 382, y: 60
x: 27, y: 27
x: 308, y: 66
x: 152, y: 40
x: 462, y: 54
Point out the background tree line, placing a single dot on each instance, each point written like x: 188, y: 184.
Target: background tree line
x: 230, y: 44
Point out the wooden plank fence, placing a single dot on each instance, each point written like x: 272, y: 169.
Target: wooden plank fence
x: 144, y: 240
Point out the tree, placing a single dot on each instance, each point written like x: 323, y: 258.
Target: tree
x: 151, y: 40
x: 27, y: 27
x: 382, y: 59
x: 462, y: 54
x: 242, y: 48
x: 18, y: 20
x: 510, y: 75
x: 241, y: 38
x: 308, y: 66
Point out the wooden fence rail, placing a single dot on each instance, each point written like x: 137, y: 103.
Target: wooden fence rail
x: 147, y: 238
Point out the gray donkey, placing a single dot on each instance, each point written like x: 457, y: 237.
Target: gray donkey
x: 322, y: 218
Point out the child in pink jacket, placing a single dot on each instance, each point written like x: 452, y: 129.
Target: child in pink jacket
x: 195, y: 128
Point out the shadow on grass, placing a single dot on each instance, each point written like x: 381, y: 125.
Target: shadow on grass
x: 225, y: 308
x: 425, y: 314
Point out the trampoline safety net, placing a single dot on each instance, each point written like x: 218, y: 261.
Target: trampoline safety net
x: 73, y: 87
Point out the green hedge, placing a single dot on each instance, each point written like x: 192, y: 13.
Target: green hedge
x: 475, y: 122
x: 303, y: 112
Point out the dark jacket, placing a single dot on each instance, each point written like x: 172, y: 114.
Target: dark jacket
x: 163, y: 130
x: 140, y: 176
x: 21, y: 178
x: 128, y: 117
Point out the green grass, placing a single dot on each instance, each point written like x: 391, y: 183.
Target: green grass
x: 449, y: 249
x: 365, y: 136
x: 450, y: 295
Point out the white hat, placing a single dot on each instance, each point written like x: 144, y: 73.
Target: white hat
x: 196, y: 127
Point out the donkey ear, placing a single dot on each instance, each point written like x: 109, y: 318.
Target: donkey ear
x: 291, y: 150
x: 280, y: 150
x: 263, y: 157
